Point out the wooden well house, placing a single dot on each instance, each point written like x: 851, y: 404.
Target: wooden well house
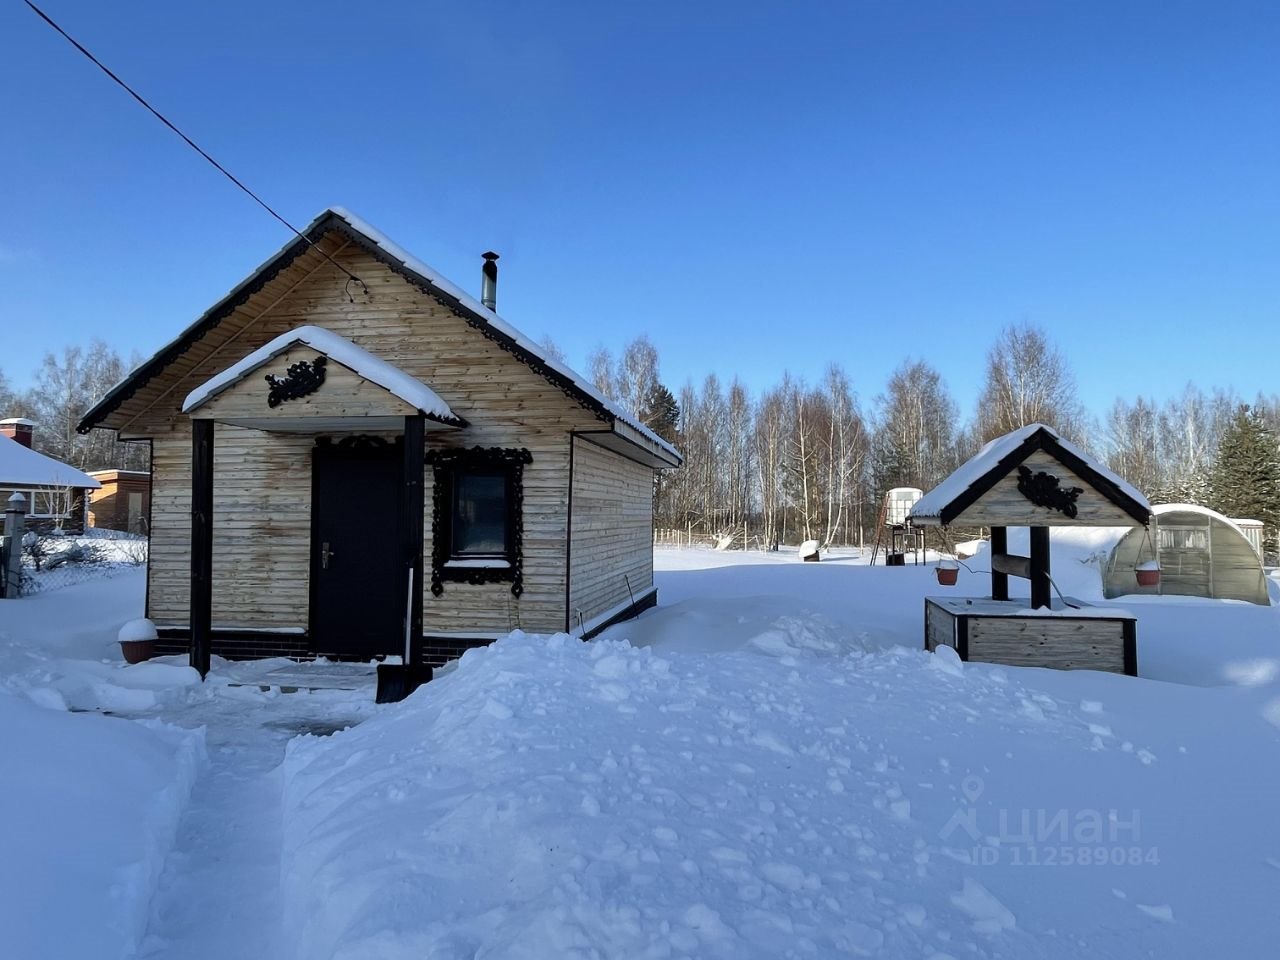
x: 349, y: 452
x: 1031, y: 478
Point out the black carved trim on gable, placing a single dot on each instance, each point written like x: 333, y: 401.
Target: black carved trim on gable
x: 301, y: 379
x: 1046, y: 490
x: 444, y: 462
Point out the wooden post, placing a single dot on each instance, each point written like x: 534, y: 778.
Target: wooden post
x: 413, y: 500
x: 15, y: 528
x: 999, y: 581
x: 201, y: 544
x: 1040, y: 586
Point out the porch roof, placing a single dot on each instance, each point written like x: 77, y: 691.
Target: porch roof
x: 412, y: 394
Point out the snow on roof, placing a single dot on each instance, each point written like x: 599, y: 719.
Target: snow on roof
x: 1164, y: 509
x: 437, y: 279
x: 974, y: 469
x: 375, y: 369
x: 17, y: 421
x: 21, y: 466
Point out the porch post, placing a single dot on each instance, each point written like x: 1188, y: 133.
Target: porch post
x: 413, y: 500
x: 201, y: 543
x: 1040, y: 596
x: 999, y: 581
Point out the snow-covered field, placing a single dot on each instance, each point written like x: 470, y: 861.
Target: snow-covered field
x: 767, y: 765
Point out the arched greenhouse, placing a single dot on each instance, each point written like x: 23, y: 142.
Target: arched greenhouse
x: 1201, y: 554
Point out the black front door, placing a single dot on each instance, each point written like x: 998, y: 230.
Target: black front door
x: 358, y: 577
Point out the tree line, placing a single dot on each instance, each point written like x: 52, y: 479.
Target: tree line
x: 813, y: 461
x: 66, y: 384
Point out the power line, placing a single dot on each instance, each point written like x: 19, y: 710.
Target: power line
x: 191, y: 143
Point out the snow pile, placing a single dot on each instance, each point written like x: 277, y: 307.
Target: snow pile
x: 61, y: 650
x: 90, y: 806
x: 552, y: 798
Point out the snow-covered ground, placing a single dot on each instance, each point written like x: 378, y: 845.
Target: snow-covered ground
x: 766, y: 765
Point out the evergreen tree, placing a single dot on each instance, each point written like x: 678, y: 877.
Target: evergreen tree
x: 660, y: 412
x: 1245, y: 480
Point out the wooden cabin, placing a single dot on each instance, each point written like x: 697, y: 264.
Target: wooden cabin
x: 123, y: 502
x: 349, y: 452
x: 1032, y: 478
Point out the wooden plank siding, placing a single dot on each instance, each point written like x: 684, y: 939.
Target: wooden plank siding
x: 939, y: 627
x: 612, y: 537
x: 262, y: 481
x: 1065, y: 643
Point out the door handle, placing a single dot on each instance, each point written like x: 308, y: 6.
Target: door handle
x: 325, y: 554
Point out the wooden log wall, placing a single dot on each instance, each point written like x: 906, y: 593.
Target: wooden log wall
x: 612, y: 530
x: 262, y: 480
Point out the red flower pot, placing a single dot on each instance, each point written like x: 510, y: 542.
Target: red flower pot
x: 947, y: 575
x: 1148, y: 578
x: 136, y: 651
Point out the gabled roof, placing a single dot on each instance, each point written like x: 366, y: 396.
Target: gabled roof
x: 994, y: 461
x: 418, y: 273
x: 21, y: 466
x: 374, y: 369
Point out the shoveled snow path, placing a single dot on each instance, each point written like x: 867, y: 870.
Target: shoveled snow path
x: 219, y: 895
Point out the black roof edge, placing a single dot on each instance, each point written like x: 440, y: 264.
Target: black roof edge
x: 259, y: 278
x: 327, y: 222
x: 1043, y: 440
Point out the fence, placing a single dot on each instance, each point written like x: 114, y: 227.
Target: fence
x: 51, y: 561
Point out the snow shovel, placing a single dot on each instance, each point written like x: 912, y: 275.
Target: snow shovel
x: 397, y: 680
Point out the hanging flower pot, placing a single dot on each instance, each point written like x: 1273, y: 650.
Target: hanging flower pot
x: 1148, y: 573
x: 947, y: 571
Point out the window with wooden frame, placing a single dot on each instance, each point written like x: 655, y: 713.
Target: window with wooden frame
x: 476, y: 514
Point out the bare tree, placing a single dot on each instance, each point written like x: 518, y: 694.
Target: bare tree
x: 550, y: 349
x: 601, y: 371
x: 916, y: 442
x: 1133, y: 435
x: 1028, y: 381
x: 636, y: 374
x: 1190, y: 426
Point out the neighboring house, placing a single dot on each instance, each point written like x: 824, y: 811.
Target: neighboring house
x: 123, y: 502
x: 54, y: 491
x: 348, y: 441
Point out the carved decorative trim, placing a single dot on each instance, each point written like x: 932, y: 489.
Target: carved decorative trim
x: 1045, y: 490
x: 301, y: 379
x: 445, y: 462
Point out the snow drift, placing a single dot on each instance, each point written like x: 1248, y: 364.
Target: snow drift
x: 89, y: 832
x: 553, y: 798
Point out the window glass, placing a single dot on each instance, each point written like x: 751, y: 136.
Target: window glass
x: 479, y: 514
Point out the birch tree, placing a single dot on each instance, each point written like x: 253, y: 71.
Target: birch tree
x: 1028, y: 381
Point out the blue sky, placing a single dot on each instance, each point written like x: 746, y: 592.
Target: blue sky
x: 757, y: 186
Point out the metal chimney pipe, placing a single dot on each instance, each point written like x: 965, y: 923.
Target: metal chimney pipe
x: 489, y: 281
